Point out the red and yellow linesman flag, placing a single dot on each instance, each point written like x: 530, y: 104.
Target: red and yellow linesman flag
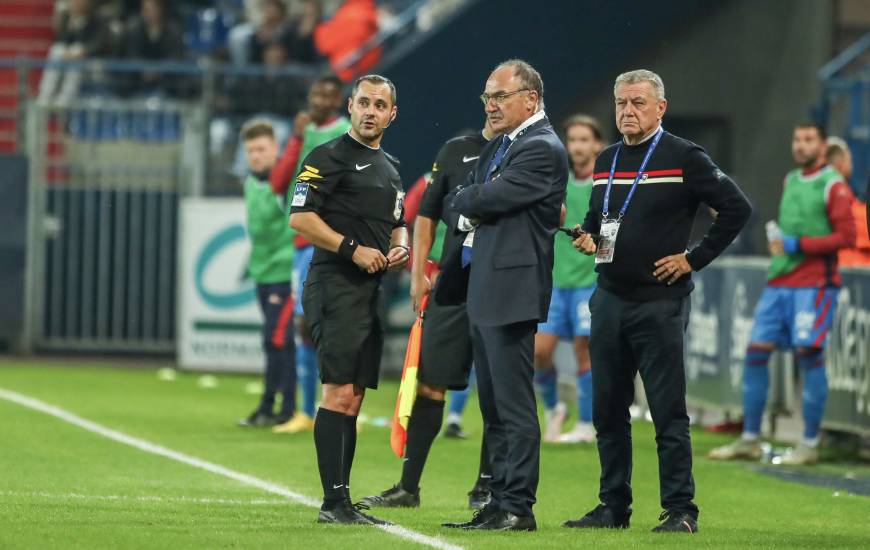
x: 408, y: 387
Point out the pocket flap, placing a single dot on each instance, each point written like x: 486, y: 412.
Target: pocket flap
x: 514, y: 259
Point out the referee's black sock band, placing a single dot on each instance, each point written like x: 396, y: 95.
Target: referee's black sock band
x: 423, y: 427
x: 348, y: 450
x: 329, y: 436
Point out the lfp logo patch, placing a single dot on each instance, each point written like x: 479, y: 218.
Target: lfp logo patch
x: 300, y: 193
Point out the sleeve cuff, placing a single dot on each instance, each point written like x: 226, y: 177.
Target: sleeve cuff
x: 465, y: 224
x: 791, y: 245
x: 695, y: 259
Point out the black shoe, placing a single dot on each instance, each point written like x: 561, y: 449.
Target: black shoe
x: 506, y: 521
x: 283, y: 417
x: 454, y: 431
x: 343, y: 513
x: 676, y: 522
x: 395, y: 497
x: 601, y: 517
x: 358, y: 510
x: 479, y: 496
x: 479, y: 518
x: 258, y: 419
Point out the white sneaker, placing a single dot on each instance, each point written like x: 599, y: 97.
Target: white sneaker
x: 555, y: 419
x: 583, y: 432
x: 739, y: 449
x: 800, y: 456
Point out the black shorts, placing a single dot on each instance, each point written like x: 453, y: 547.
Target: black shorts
x: 445, y: 355
x: 341, y: 307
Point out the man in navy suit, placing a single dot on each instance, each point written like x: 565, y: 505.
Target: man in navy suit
x: 510, y: 212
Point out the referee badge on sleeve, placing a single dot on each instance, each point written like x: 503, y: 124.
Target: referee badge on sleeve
x: 300, y: 194
x: 397, y: 209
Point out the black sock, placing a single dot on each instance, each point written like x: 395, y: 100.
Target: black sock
x: 484, y: 473
x: 271, y: 378
x: 287, y: 383
x: 348, y: 450
x: 329, y: 439
x: 423, y: 427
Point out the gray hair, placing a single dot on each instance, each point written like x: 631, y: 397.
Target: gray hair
x: 529, y: 77
x: 641, y: 75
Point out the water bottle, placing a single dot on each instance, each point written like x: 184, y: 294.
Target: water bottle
x: 774, y: 233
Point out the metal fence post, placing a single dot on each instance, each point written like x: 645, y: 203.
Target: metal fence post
x: 22, y: 72
x: 208, y: 95
x: 34, y: 275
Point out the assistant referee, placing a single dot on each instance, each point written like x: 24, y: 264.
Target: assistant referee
x: 445, y: 349
x: 348, y: 202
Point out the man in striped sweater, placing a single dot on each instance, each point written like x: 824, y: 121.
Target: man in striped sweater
x: 646, y: 190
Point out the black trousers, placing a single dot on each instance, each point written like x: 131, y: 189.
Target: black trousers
x: 503, y: 359
x: 646, y: 337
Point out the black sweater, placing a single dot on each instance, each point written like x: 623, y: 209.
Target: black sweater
x: 679, y: 176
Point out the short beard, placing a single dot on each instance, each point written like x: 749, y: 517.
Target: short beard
x: 810, y: 162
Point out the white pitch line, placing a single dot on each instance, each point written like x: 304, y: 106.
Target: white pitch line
x: 246, y: 479
x: 148, y: 498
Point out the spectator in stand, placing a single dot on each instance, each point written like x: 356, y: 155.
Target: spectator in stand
x: 153, y: 36
x: 354, y: 23
x: 80, y: 35
x: 272, y: 95
x: 300, y: 38
x: 273, y: 29
x: 840, y: 157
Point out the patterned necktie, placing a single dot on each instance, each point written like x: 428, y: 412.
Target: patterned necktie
x: 493, y: 165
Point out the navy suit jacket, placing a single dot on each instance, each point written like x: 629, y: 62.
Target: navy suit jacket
x: 511, y: 275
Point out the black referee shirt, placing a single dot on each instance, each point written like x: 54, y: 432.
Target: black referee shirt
x: 455, y: 160
x: 679, y: 176
x: 355, y: 189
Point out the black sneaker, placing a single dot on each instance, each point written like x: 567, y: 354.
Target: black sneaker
x: 676, y: 522
x: 394, y: 497
x: 601, y: 517
x: 480, y: 517
x: 258, y: 419
x: 479, y: 496
x: 454, y: 431
x: 283, y: 418
x: 358, y: 510
x: 343, y: 513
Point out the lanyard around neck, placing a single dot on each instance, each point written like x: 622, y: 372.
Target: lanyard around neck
x: 637, y: 178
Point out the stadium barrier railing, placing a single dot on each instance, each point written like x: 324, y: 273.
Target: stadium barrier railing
x: 723, y: 304
x: 107, y: 170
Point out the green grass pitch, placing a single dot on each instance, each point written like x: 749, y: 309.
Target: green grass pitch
x: 62, y: 486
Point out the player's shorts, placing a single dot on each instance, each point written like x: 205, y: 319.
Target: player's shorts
x: 569, y: 313
x: 301, y: 263
x: 341, y: 307
x: 794, y: 317
x: 445, y: 348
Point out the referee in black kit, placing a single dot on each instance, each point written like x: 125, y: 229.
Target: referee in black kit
x: 646, y: 190
x: 445, y: 348
x: 348, y: 202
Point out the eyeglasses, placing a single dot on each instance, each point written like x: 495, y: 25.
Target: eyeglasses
x: 500, y: 97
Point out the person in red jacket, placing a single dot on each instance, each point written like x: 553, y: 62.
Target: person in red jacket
x: 354, y: 23
x: 840, y: 157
